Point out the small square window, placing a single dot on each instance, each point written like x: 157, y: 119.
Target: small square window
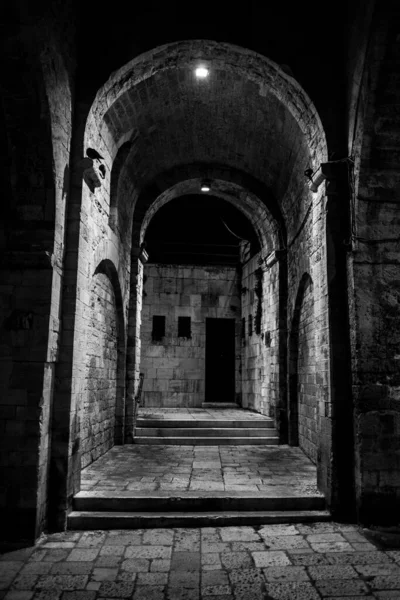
x: 184, y: 327
x: 158, y: 331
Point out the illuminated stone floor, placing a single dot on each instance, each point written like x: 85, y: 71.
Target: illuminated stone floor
x: 277, y: 470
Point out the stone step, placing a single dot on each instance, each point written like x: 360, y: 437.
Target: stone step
x: 204, y: 432
x: 85, y: 520
x: 207, y: 441
x: 194, y: 501
x: 266, y: 423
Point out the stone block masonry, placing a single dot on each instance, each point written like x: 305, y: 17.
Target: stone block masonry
x: 98, y: 420
x: 174, y: 367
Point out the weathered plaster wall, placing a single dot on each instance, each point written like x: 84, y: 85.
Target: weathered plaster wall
x: 174, y: 368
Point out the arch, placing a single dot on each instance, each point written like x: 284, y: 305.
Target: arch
x: 249, y: 204
x: 104, y: 371
x: 293, y: 375
x: 117, y: 119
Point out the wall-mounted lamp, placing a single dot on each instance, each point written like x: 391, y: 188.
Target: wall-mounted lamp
x: 205, y: 185
x: 315, y: 178
x: 201, y: 72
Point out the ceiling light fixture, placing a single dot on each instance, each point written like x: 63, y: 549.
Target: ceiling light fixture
x: 205, y: 185
x: 201, y: 72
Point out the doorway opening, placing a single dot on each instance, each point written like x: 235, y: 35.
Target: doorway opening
x: 220, y: 360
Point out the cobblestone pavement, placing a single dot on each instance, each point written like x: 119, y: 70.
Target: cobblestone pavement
x: 268, y: 469
x: 279, y: 562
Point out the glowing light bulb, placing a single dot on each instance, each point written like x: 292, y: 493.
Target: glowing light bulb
x: 205, y: 188
x: 201, y: 72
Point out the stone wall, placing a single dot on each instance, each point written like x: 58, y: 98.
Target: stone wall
x: 374, y: 272
x: 36, y: 134
x: 260, y: 342
x: 174, y: 367
x: 306, y: 381
x: 99, y: 407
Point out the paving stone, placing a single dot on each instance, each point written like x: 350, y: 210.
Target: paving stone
x: 136, y: 565
x: 325, y: 537
x: 177, y: 593
x: 36, y: 568
x: 148, y: 552
x: 214, y: 547
x: 308, y: 559
x: 70, y: 568
x: 375, y: 570
x: 187, y: 540
x: 387, y: 582
x: 332, y: 572
x: 104, y: 574
x: 87, y: 595
x: 114, y: 550
x: 185, y: 561
x: 123, y: 539
x: 25, y: 582
x: 210, y: 562
x: 357, y: 558
x: 278, y: 529
x: 55, y: 555
x: 107, y: 561
x: 340, y: 587
x: 287, y: 573
x: 62, y: 582
x: 394, y: 595
x: 215, y: 590
x: 63, y: 545
x: 272, y: 558
x: 91, y: 539
x: 184, y: 579
x: 331, y: 547
x: 18, y: 595
x: 83, y: 554
x: 17, y: 555
x: 294, y: 590
x: 149, y: 592
x: 236, y: 560
x: 239, y: 534
x: 287, y: 542
x: 158, y: 537
x: 212, y: 578
x: 152, y: 578
x: 160, y: 566
x: 8, y: 567
x: 250, y: 546
x: 116, y: 589
x: 363, y: 547
x: 38, y: 555
x: 47, y: 595
x: 394, y: 555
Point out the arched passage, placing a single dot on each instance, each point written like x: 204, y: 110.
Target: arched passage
x: 252, y: 130
x: 303, y: 425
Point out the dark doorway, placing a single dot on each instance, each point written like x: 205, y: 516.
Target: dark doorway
x: 220, y: 360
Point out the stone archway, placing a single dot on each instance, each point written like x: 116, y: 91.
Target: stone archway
x: 262, y: 148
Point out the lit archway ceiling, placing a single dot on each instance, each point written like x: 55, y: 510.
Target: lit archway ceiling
x: 247, y: 115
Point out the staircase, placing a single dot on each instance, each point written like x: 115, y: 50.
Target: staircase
x: 117, y: 506
x: 205, y: 431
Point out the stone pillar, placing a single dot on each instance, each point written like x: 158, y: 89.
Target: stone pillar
x: 336, y: 463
